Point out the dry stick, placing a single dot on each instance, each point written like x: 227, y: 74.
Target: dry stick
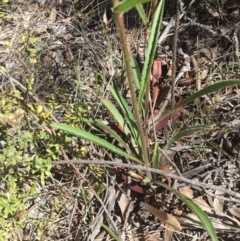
x: 164, y: 34
x: 174, y: 57
x: 111, y: 199
x: 75, y: 206
x: 220, y: 197
x: 119, y: 18
x: 144, y: 168
x: 146, y: 119
x: 196, y: 69
x: 152, y: 120
x: 174, y: 68
x: 235, y: 37
x: 95, y: 231
x: 92, y: 190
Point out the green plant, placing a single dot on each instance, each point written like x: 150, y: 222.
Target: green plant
x: 132, y: 140
x: 16, y: 188
x: 23, y: 163
x: 27, y: 45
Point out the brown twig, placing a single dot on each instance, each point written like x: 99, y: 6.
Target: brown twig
x: 174, y: 57
x: 139, y: 167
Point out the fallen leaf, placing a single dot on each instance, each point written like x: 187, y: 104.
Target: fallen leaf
x: 178, y: 211
x: 166, y: 169
x: 187, y: 191
x: 202, y: 204
x: 105, y: 20
x: 163, y: 123
x: 152, y: 237
x: 64, y: 20
x: 164, y: 217
x: 191, y: 220
x: 213, y: 11
x: 235, y: 211
x: 116, y: 127
x: 53, y: 15
x: 168, y: 233
x: 135, y: 175
x: 132, y: 235
x: 217, y: 203
x: 156, y: 73
x: 137, y: 187
x: 20, y: 213
x: 123, y: 200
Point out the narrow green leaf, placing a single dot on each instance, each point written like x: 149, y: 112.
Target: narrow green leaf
x: 130, y: 119
x: 126, y: 5
x: 156, y: 156
x: 94, y: 139
x: 151, y: 49
x: 108, y: 129
x: 202, y: 216
x: 185, y: 133
x: 207, y: 90
x: 118, y: 117
x: 142, y: 14
x: 136, y: 72
x: 114, y: 236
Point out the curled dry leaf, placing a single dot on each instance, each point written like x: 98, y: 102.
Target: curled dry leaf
x: 138, y: 187
x: 164, y: 217
x: 123, y: 200
x: 156, y: 73
x: 218, y: 203
x: 116, y: 127
x: 178, y: 211
x: 163, y: 123
x: 202, y: 204
x: 166, y: 169
x: 105, y: 20
x: 213, y: 11
x: 187, y: 191
x: 20, y: 213
x: 235, y: 211
x: 135, y: 175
